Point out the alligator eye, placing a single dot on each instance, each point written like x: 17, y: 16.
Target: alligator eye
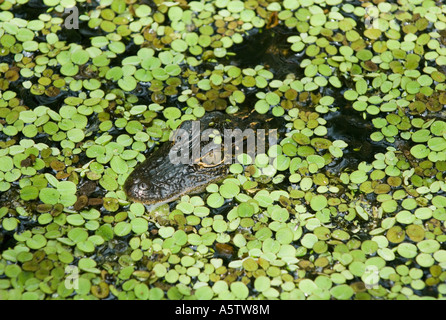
x: 211, y: 159
x: 143, y: 186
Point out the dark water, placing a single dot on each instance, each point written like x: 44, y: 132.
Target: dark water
x: 270, y: 48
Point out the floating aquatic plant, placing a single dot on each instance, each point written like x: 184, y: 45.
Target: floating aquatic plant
x: 353, y: 206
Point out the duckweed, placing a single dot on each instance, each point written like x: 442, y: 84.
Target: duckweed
x: 350, y: 204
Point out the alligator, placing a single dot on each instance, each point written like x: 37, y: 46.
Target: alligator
x: 167, y: 174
